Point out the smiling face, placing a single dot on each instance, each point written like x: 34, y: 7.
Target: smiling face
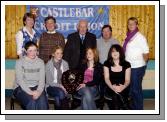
x: 90, y: 55
x: 58, y: 54
x: 50, y: 25
x: 29, y: 22
x: 31, y: 52
x: 132, y: 25
x: 115, y: 54
x: 82, y: 27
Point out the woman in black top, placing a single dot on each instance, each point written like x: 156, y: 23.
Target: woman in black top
x: 92, y: 71
x: 117, y: 77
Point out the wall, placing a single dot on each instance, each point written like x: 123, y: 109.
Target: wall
x: 145, y: 13
x: 118, y: 20
x: 148, y: 80
x: 13, y: 22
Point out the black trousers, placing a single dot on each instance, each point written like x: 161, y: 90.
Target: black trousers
x: 119, y: 101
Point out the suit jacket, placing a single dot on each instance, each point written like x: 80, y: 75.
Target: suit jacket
x: 72, y: 48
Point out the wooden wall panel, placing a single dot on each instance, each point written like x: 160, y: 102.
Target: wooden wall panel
x: 13, y: 22
x: 118, y: 20
x: 119, y: 15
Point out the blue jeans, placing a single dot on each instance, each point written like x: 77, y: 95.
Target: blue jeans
x: 88, y: 94
x: 58, y: 95
x: 28, y: 103
x: 136, y: 93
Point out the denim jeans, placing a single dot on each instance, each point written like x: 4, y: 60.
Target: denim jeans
x: 58, y: 95
x: 136, y: 93
x: 28, y: 103
x: 88, y: 94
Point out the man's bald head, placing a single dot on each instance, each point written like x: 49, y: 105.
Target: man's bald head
x: 82, y: 27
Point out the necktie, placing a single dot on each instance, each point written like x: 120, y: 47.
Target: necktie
x: 82, y: 38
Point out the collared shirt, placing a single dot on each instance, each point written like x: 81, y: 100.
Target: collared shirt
x: 135, y: 49
x: 20, y: 39
x: 82, y: 36
x: 52, y: 32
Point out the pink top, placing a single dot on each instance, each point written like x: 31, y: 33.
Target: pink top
x: 88, y: 75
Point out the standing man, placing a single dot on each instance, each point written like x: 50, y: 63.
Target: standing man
x: 105, y: 43
x: 75, y: 48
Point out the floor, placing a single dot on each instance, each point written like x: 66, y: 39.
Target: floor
x: 149, y: 104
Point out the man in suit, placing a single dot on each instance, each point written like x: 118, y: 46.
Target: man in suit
x: 77, y: 42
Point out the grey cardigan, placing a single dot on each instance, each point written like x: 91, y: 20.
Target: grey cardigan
x: 49, y: 69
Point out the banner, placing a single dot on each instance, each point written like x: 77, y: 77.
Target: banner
x: 68, y: 16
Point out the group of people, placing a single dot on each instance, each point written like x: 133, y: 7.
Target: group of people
x: 44, y: 58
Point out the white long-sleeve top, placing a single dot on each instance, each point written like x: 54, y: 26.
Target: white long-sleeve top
x: 135, y: 49
x: 20, y: 39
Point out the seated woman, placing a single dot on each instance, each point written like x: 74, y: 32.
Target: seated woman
x: 30, y: 80
x: 93, y: 71
x: 54, y: 69
x: 117, y: 77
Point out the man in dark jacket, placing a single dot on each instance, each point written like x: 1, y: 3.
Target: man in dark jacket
x: 76, y: 45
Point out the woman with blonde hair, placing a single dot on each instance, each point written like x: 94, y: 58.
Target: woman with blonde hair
x: 137, y: 53
x: 54, y: 70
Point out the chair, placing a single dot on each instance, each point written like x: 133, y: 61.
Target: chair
x: 66, y: 102
x: 13, y: 100
x: 77, y: 100
x: 124, y: 104
x: 51, y: 101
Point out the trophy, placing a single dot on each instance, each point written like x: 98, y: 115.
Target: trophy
x: 71, y: 80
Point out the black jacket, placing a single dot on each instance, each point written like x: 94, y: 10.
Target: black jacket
x: 72, y: 48
x: 97, y: 74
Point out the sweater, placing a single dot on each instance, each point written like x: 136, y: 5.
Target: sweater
x: 103, y: 48
x: 47, y: 42
x: 30, y: 73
